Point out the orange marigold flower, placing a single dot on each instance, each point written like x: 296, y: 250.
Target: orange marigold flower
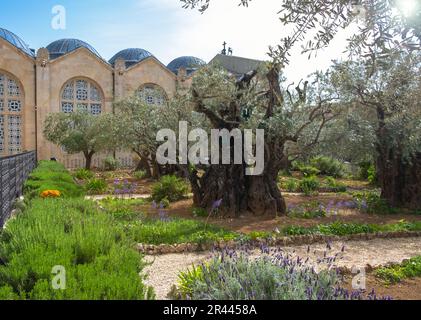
x: 50, y: 194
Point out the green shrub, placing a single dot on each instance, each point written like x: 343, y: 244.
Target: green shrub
x: 328, y: 166
x: 273, y: 276
x: 155, y: 231
x: 200, y: 212
x: 139, y: 175
x: 83, y: 174
x: 372, y: 175
x: 96, y: 186
x: 309, y: 171
x: 309, y: 210
x: 51, y: 175
x: 371, y: 202
x: 309, y: 185
x: 111, y: 163
x: 170, y: 187
x: 334, y: 185
x: 99, y: 261
x: 291, y: 185
x: 408, y: 269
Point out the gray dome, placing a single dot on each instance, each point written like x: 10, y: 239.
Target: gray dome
x: 191, y: 64
x: 61, y: 47
x: 16, y: 41
x: 131, y: 56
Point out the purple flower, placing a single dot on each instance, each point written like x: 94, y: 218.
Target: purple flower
x: 216, y: 205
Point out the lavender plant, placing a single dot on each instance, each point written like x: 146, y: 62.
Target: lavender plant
x: 272, y: 275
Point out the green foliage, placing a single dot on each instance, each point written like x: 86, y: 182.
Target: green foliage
x: 200, y: 212
x: 371, y: 202
x: 171, y: 188
x: 328, y: 166
x: 308, y: 210
x: 309, y: 171
x: 111, y: 163
x: 372, y: 175
x: 309, y: 185
x: 154, y: 231
x: 96, y: 186
x: 99, y: 261
x: 83, y: 174
x: 408, y: 269
x: 273, y: 276
x: 51, y: 175
x: 342, y: 229
x: 123, y: 209
x: 139, y: 175
x: 187, y: 280
x: 291, y: 185
x: 335, y: 186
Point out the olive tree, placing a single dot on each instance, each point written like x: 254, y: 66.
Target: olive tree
x: 80, y: 132
x: 255, y: 101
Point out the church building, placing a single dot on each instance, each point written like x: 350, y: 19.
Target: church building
x: 69, y: 75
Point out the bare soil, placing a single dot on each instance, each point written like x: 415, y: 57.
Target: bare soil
x: 251, y: 223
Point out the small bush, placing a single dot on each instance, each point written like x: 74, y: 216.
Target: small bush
x: 96, y: 186
x: 309, y: 171
x: 309, y: 185
x: 335, y: 186
x: 83, y: 174
x: 111, y: 164
x: 170, y: 187
x: 408, y: 269
x: 371, y: 202
x: 273, y: 276
x: 139, y: 175
x: 328, y: 166
x: 291, y: 185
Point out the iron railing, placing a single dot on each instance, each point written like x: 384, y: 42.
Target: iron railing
x: 14, y: 171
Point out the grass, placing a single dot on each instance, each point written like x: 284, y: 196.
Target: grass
x: 395, y: 274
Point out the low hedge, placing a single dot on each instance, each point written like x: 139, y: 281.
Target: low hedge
x: 98, y: 258
x: 51, y: 175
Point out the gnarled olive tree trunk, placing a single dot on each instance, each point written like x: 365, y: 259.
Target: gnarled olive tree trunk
x: 240, y: 193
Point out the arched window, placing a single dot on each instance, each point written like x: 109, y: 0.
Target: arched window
x: 11, y: 109
x: 81, y: 94
x: 152, y: 94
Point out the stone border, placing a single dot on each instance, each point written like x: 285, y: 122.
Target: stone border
x: 271, y: 242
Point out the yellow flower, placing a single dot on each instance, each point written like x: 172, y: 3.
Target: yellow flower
x: 50, y: 194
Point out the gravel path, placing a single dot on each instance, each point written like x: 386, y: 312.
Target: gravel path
x: 162, y: 274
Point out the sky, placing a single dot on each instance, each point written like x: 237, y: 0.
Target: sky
x: 164, y: 28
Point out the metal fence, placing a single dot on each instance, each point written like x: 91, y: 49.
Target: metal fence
x: 14, y: 171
